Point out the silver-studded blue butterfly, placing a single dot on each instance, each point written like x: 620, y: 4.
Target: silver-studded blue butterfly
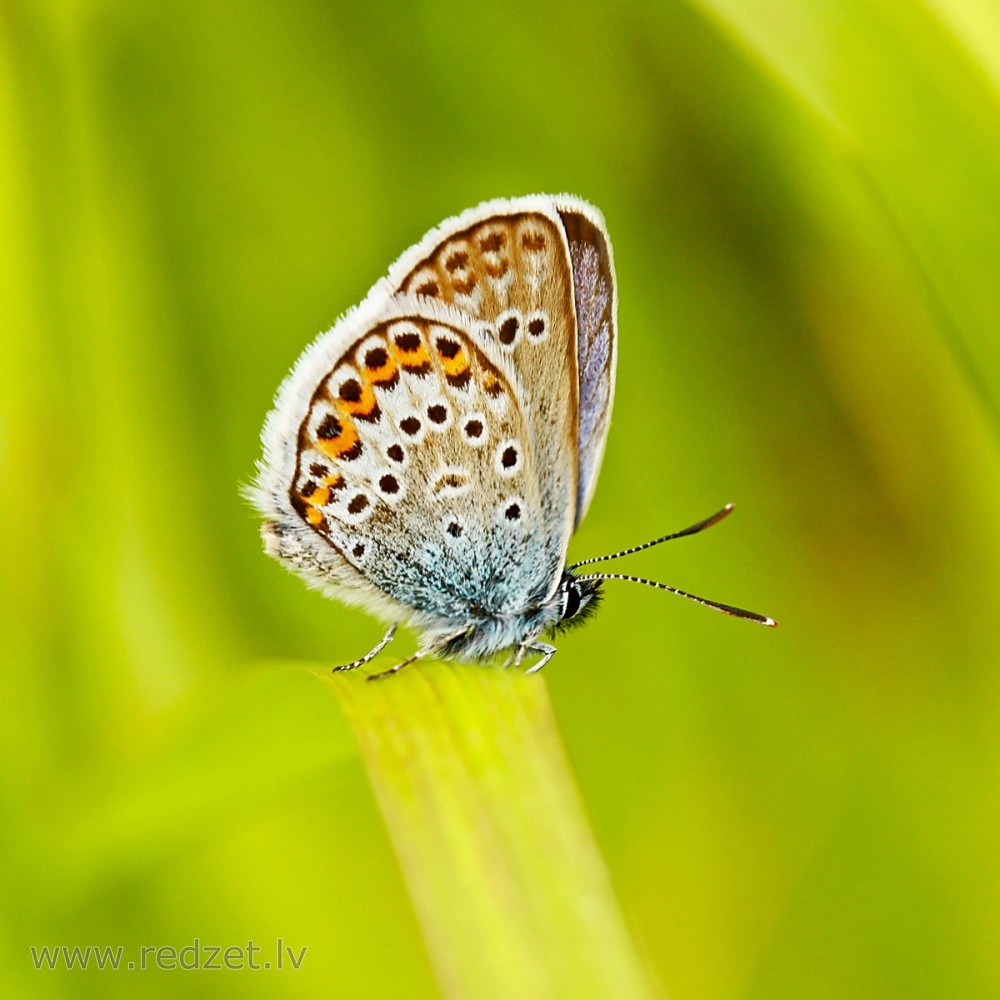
x: 429, y: 457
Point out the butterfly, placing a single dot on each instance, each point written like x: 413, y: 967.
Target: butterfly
x: 430, y: 456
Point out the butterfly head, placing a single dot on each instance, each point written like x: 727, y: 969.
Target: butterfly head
x: 576, y: 601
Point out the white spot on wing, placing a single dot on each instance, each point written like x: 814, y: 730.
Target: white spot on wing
x: 412, y: 426
x: 475, y: 440
x: 450, y: 481
x: 509, y: 329
x: 352, y: 498
x: 434, y: 407
x: 507, y: 459
x: 510, y: 511
x: 384, y: 481
x: 536, y: 327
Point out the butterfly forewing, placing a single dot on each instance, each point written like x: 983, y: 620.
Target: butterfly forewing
x: 511, y: 271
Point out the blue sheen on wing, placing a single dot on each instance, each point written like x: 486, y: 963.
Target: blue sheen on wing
x: 594, y: 291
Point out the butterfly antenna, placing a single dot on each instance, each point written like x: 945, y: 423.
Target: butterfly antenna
x: 726, y: 609
x: 693, y: 530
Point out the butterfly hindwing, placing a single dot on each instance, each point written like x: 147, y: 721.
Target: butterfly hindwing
x: 413, y: 461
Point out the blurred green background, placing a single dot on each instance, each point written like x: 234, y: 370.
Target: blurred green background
x: 805, y: 205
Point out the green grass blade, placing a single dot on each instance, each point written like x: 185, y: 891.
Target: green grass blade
x: 507, y: 881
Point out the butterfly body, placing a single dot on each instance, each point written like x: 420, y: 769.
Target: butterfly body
x: 429, y: 457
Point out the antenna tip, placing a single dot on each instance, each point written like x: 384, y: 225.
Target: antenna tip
x: 770, y: 623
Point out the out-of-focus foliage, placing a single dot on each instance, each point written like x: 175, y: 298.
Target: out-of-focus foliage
x: 805, y: 205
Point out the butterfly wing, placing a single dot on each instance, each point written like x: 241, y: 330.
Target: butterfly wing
x: 538, y: 272
x: 430, y: 455
x: 595, y: 292
x: 506, y: 264
x: 399, y: 471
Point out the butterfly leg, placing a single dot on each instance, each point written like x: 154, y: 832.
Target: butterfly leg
x: 386, y: 639
x: 419, y: 654
x: 399, y: 666
x: 547, y: 652
x: 514, y: 660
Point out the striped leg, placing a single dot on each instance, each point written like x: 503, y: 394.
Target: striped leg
x: 547, y: 652
x: 386, y: 639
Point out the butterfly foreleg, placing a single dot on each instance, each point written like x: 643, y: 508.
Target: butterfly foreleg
x: 544, y: 648
x: 385, y: 640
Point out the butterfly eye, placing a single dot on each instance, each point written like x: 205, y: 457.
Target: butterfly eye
x: 572, y: 602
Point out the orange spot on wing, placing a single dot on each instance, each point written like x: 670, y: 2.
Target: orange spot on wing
x: 319, y: 497
x: 314, y: 516
x: 364, y: 407
x: 383, y: 373
x: 411, y: 352
x: 455, y: 365
x: 492, y: 385
x: 344, y: 444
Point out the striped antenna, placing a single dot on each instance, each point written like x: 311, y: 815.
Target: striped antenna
x: 693, y: 530
x: 726, y: 609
